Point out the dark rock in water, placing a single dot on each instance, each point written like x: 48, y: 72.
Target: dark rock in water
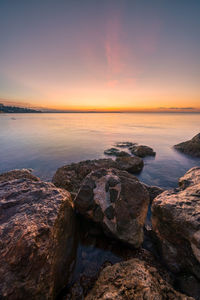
x: 70, y: 176
x: 132, y: 279
x: 191, y: 147
x: 37, y: 231
x: 154, y: 191
x: 130, y: 164
x: 119, y: 203
x: 111, y: 151
x: 116, y: 152
x: 142, y: 151
x: 176, y: 222
x: 125, y: 144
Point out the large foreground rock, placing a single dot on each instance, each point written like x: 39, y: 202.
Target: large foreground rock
x: 117, y: 201
x: 36, y: 237
x: 132, y: 279
x: 176, y: 221
x: 70, y: 176
x: 191, y: 147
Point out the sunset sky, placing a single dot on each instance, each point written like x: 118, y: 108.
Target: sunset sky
x: 106, y: 54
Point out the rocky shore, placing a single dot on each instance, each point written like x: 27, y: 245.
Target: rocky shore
x: 49, y: 243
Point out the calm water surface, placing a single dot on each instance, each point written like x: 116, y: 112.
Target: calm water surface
x: 45, y: 142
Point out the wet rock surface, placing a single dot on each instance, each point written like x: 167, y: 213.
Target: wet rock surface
x: 191, y: 147
x: 37, y: 231
x: 132, y: 279
x: 176, y: 222
x: 154, y: 191
x: 142, y: 151
x: 117, y: 201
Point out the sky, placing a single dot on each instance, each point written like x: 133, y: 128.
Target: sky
x: 106, y: 54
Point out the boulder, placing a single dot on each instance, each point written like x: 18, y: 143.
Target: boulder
x: 132, y: 279
x: 176, y: 222
x: 117, y: 201
x: 142, y: 151
x: 191, y: 147
x: 70, y: 176
x: 116, y: 152
x: 131, y: 164
x: 37, y: 243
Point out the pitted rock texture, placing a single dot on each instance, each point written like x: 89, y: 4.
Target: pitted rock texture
x: 36, y: 237
x: 132, y: 279
x: 130, y: 164
x: 117, y: 201
x: 142, y: 151
x: 176, y: 221
x: 191, y: 147
x: 71, y: 176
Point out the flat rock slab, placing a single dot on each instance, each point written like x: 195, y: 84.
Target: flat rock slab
x: 117, y: 201
x: 37, y: 227
x: 191, y: 147
x: 132, y: 279
x: 131, y: 164
x: 176, y: 221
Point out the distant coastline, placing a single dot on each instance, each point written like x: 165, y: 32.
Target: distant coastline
x: 15, y: 109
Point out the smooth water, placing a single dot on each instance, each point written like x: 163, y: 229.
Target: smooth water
x: 44, y: 142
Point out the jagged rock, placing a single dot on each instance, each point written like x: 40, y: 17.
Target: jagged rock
x: 36, y: 237
x: 142, y: 151
x: 117, y: 201
x: 70, y: 176
x: 132, y: 279
x: 191, y: 147
x: 130, y: 164
x: 116, y: 152
x: 176, y: 222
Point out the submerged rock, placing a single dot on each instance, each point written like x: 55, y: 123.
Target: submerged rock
x: 37, y: 228
x: 116, y: 152
x: 132, y: 279
x: 130, y: 164
x: 117, y: 201
x: 125, y: 144
x: 176, y: 222
x: 191, y: 147
x: 142, y: 151
x: 70, y: 176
